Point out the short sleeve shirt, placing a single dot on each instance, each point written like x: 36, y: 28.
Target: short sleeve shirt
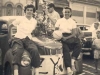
x: 66, y: 25
x: 94, y: 35
x: 96, y: 42
x: 24, y: 27
x: 54, y: 15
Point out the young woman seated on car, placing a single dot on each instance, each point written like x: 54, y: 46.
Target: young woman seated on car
x: 70, y: 42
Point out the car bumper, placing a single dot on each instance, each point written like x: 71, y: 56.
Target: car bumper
x: 86, y: 49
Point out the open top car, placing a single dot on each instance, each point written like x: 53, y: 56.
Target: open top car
x: 51, y: 54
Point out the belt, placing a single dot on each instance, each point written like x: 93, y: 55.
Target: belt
x: 66, y: 34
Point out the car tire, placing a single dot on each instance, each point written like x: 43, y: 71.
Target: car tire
x: 7, y: 70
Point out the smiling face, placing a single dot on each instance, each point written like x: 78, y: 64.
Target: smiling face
x: 29, y: 12
x: 67, y: 13
x: 50, y: 9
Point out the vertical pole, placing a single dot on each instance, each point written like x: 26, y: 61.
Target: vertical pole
x: 36, y: 4
x: 97, y: 19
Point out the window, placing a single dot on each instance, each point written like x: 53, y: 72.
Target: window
x: 91, y: 15
x: 77, y: 13
x: 9, y: 10
x: 19, y: 10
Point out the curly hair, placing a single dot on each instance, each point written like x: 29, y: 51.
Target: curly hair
x: 29, y: 6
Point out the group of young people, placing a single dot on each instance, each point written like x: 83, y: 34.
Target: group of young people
x: 23, y: 39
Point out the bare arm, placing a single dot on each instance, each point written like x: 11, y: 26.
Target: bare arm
x: 72, y: 35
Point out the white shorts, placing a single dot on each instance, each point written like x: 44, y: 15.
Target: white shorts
x: 96, y: 54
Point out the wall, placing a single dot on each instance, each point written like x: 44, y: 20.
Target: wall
x: 77, y: 11
x: 84, y: 13
x: 14, y: 10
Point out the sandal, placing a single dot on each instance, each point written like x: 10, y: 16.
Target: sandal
x: 73, y: 68
x: 70, y: 73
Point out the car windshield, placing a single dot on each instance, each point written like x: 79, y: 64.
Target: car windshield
x: 83, y: 27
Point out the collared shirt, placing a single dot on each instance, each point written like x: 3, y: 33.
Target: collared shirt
x: 94, y: 35
x: 65, y: 25
x: 96, y: 42
x: 24, y: 27
x: 54, y: 15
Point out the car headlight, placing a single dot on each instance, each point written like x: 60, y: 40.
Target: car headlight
x: 25, y: 60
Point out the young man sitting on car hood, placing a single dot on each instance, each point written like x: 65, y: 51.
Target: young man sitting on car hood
x: 23, y: 38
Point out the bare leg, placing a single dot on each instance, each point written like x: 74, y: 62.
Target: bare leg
x: 16, y: 70
x: 96, y: 65
x: 35, y: 71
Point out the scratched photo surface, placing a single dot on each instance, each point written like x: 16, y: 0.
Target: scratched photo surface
x: 85, y: 13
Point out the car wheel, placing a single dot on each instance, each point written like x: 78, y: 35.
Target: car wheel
x: 7, y: 70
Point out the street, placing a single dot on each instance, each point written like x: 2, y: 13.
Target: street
x: 88, y: 66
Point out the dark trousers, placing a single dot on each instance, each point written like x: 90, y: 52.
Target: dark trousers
x: 72, y: 44
x: 19, y: 45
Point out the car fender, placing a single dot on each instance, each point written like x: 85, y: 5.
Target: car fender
x: 8, y: 58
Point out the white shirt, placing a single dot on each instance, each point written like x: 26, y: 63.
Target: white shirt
x: 54, y: 15
x: 94, y: 35
x: 24, y: 27
x: 65, y: 25
x: 96, y: 42
x: 92, y: 27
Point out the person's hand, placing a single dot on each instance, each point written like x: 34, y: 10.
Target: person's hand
x: 97, y: 48
x: 46, y: 12
x: 64, y: 38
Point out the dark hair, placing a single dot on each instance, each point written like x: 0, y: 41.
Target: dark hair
x: 96, y: 23
x: 51, y: 5
x: 29, y: 6
x: 68, y: 8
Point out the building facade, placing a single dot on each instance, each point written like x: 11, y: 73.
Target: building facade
x: 85, y: 11
x: 13, y: 7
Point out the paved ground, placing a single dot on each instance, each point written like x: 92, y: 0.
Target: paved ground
x: 88, y: 66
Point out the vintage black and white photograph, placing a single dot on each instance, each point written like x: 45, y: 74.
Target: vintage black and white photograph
x: 49, y: 37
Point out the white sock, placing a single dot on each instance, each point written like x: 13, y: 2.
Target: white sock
x: 73, y: 61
